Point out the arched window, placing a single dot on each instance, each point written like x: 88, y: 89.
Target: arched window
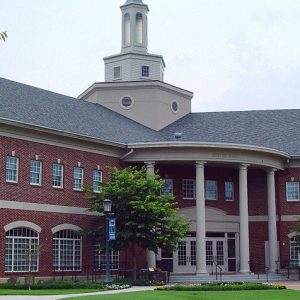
x: 21, y: 250
x: 66, y: 250
x: 139, y: 28
x: 127, y: 29
x: 99, y: 258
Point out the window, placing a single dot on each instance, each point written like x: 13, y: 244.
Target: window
x: 168, y: 187
x: 35, y: 172
x: 100, y: 259
x: 21, y: 250
x: 189, y: 189
x: 57, y: 176
x: 127, y: 29
x: 229, y: 191
x: 210, y: 190
x: 139, y: 28
x: 117, y: 72
x: 292, y: 191
x: 11, y: 171
x: 126, y: 102
x: 66, y: 251
x: 78, y: 178
x: 295, y: 250
x: 174, y: 106
x: 145, y: 71
x: 97, y: 179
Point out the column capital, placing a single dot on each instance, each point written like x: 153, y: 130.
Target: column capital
x: 244, y: 166
x: 271, y: 171
x: 200, y: 163
x: 149, y: 163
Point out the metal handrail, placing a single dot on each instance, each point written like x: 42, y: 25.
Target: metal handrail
x: 215, y: 262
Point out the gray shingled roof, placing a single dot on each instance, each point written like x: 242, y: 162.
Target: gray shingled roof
x: 30, y: 105
x: 277, y: 129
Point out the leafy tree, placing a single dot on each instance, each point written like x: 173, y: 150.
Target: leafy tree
x: 3, y: 35
x: 146, y: 219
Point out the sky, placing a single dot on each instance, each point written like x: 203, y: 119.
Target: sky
x: 233, y: 54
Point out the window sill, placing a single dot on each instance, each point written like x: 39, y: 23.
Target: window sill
x: 296, y: 200
x: 58, y: 188
x: 35, y: 185
x: 12, y: 182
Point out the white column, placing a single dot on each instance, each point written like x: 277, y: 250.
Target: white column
x: 151, y: 257
x: 244, y: 220
x: 273, y: 248
x: 200, y: 220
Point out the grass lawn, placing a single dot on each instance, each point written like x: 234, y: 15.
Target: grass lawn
x: 222, y: 295
x: 46, y: 292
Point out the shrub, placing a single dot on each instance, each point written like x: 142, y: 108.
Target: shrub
x: 225, y: 286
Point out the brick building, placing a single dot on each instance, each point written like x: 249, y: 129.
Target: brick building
x: 235, y: 175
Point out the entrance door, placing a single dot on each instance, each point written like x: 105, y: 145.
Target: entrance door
x: 215, y: 254
x: 185, y: 256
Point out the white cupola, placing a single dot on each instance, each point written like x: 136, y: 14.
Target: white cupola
x: 134, y: 63
x: 134, y: 26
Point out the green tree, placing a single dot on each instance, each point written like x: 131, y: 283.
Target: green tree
x: 146, y: 219
x: 3, y: 35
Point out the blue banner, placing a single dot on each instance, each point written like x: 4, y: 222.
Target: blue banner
x: 112, y: 229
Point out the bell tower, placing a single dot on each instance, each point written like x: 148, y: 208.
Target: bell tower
x: 134, y: 63
x: 134, y: 26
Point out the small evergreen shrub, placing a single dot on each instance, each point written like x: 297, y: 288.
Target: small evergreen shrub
x: 224, y: 286
x: 14, y: 283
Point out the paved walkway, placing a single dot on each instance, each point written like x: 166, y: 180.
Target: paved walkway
x: 130, y: 290
x: 293, y: 285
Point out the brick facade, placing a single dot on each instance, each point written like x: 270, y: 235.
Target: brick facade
x: 46, y: 194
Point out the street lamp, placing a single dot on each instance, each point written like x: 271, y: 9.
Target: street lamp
x: 107, y: 210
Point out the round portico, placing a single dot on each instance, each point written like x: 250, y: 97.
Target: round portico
x: 202, y: 157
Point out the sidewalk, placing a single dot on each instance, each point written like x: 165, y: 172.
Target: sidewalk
x: 292, y: 285
x: 53, y: 297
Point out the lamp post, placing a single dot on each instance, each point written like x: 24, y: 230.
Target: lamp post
x: 107, y: 210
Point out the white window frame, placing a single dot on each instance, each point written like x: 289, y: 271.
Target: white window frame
x: 15, y: 171
x: 75, y: 179
x: 59, y: 242
x: 39, y: 174
x: 194, y: 189
x: 99, y: 258
x: 232, y: 185
x: 119, y: 77
x: 147, y: 72
x: 294, y: 246
x: 206, y: 190
x: 96, y: 186
x: 15, y: 241
x: 287, y: 194
x: 61, y: 176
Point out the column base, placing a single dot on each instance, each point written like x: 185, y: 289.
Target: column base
x: 201, y: 273
x: 244, y: 271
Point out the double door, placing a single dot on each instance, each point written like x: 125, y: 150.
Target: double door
x: 185, y: 256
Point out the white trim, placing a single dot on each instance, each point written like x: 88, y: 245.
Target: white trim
x: 27, y: 206
x: 17, y: 168
x: 65, y: 227
x: 286, y: 191
x: 26, y: 224
x: 40, y: 174
x: 208, y: 145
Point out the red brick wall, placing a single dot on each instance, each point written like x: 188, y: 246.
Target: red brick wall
x: 49, y: 155
x: 46, y: 194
